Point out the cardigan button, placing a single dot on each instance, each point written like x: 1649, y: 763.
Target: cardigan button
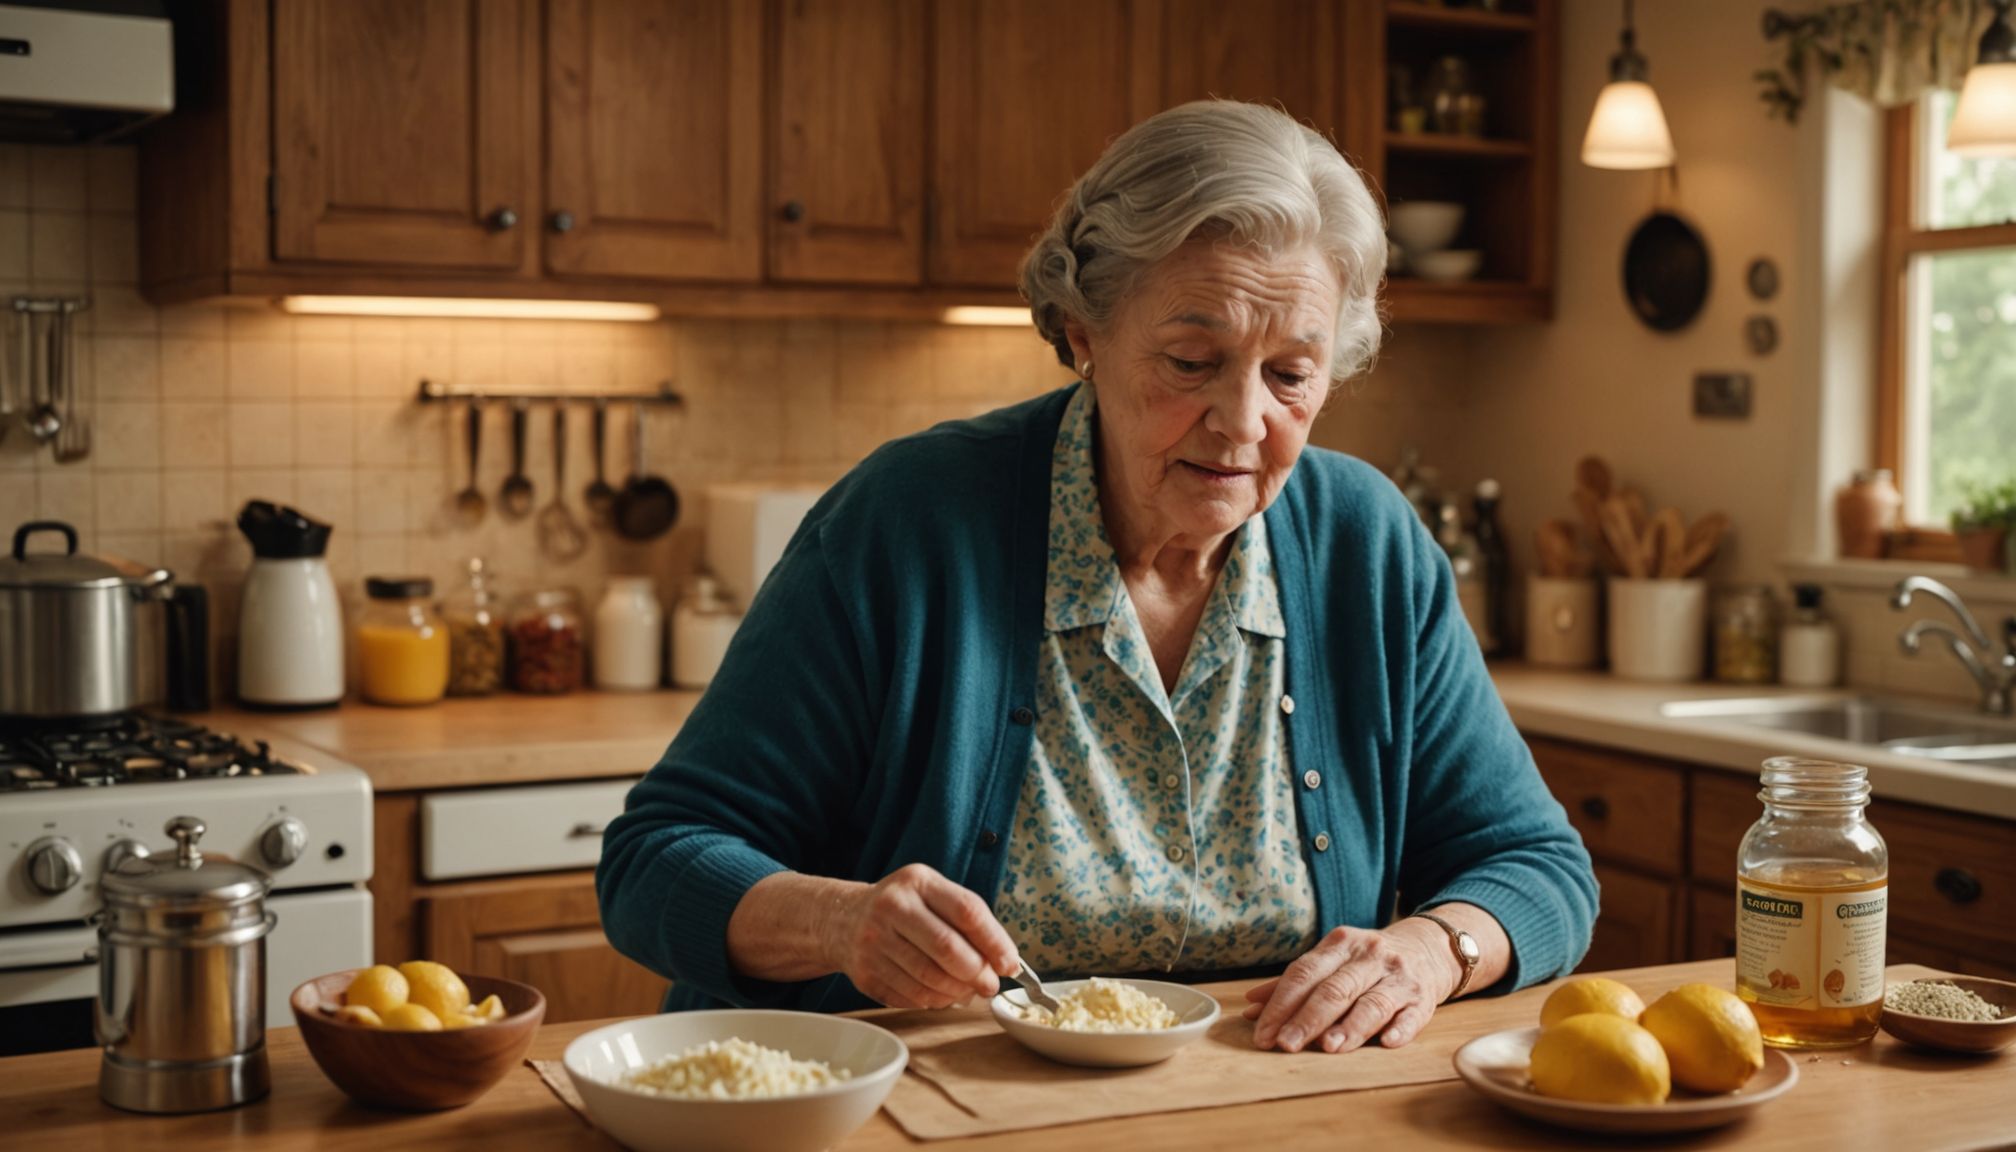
x: 1287, y: 705
x: 1322, y: 841
x: 1176, y: 853
x: 1171, y: 781
x: 1023, y: 716
x: 988, y: 838
x: 1312, y: 778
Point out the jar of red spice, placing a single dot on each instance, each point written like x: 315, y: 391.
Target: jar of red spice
x: 546, y: 641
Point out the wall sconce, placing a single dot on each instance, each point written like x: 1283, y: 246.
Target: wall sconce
x: 1628, y: 128
x: 1984, y: 124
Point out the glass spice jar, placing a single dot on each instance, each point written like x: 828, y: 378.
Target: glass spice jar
x: 475, y: 619
x: 545, y: 641
x: 402, y: 645
x: 1746, y: 635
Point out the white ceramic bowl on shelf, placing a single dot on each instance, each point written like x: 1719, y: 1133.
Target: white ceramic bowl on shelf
x: 806, y: 1122
x: 1424, y: 226
x: 1446, y: 267
x: 1195, y: 1013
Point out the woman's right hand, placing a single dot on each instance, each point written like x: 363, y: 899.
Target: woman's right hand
x: 917, y: 940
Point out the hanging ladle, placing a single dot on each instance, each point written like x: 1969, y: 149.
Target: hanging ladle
x: 600, y: 496
x: 516, y: 497
x: 647, y: 507
x: 470, y: 503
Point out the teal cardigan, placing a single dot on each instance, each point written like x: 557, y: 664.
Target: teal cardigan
x: 874, y: 711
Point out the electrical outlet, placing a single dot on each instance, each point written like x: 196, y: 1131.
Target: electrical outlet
x: 1722, y: 395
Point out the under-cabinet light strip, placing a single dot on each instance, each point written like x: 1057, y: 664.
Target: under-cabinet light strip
x: 457, y: 308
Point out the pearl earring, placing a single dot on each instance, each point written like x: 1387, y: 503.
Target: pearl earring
x: 1085, y: 373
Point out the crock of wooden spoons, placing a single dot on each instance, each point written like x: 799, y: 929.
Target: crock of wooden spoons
x: 1663, y: 547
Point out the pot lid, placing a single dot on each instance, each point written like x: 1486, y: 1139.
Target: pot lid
x: 20, y: 568
x: 187, y: 878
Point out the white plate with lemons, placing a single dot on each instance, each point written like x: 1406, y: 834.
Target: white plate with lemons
x: 1497, y: 1066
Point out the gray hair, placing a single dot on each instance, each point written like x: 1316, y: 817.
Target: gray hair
x: 1247, y: 172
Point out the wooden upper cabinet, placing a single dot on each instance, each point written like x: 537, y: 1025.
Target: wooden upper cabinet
x: 1028, y: 93
x: 847, y: 142
x: 654, y: 139
x: 1283, y: 53
x: 399, y: 132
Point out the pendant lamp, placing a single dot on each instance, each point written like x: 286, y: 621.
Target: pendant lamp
x: 1628, y: 128
x: 1985, y: 122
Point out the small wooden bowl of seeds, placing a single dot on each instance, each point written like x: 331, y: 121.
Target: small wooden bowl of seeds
x: 1952, y: 1013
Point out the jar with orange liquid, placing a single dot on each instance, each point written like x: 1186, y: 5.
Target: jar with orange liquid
x: 402, y: 645
x: 1812, y: 882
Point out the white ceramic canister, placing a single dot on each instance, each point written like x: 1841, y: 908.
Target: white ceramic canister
x: 1658, y: 628
x: 628, y: 624
x: 1562, y: 622
x: 703, y: 623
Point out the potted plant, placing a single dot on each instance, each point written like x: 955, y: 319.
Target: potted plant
x: 1982, y: 522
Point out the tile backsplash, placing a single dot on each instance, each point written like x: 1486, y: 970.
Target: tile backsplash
x: 196, y: 409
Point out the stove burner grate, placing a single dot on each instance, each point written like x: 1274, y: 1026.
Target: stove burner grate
x: 131, y: 749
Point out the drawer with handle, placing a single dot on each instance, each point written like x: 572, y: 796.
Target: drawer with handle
x: 1627, y: 808
x: 496, y: 831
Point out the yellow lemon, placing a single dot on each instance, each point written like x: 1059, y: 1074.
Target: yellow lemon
x: 1600, y: 1059
x: 358, y: 1014
x: 1587, y: 994
x: 1709, y: 1035
x: 435, y: 987
x: 455, y: 1020
x: 412, y: 1018
x: 380, y: 988
x: 490, y: 1009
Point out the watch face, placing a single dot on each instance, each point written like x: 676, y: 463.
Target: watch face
x: 1467, y: 945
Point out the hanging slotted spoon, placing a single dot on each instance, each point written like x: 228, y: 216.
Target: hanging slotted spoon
x: 73, y: 440
x: 560, y: 536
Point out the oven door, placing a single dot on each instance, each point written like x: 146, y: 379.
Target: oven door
x: 49, y: 976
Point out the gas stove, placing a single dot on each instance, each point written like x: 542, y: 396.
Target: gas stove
x: 130, y: 749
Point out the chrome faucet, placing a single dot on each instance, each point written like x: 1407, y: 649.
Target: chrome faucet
x: 1996, y: 673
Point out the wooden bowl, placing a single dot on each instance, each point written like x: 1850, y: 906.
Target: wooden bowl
x: 418, y: 1071
x: 1977, y: 1036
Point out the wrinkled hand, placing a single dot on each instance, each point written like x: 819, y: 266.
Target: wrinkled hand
x: 1354, y: 985
x: 917, y: 940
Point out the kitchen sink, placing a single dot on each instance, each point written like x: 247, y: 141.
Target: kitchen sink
x: 1903, y: 726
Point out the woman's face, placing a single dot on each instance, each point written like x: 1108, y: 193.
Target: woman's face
x: 1208, y: 379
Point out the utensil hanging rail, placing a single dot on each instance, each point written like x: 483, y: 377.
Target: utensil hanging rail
x: 41, y: 304
x: 434, y: 391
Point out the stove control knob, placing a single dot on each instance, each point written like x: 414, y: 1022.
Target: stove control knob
x: 124, y: 850
x: 283, y: 842
x: 54, y: 866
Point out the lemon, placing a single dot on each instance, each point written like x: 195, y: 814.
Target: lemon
x: 1600, y: 1059
x: 358, y: 1014
x: 455, y: 1020
x: 380, y: 988
x: 1709, y: 1035
x: 1590, y: 994
x: 412, y: 1018
x: 490, y: 1009
x: 435, y: 987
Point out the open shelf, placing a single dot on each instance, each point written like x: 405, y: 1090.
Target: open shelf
x: 1450, y: 144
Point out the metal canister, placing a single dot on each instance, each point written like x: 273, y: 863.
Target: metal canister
x: 181, y: 1007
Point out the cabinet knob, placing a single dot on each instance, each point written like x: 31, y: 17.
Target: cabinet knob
x: 504, y: 219
x: 1595, y: 807
x: 1957, y: 885
x: 794, y: 211
x: 563, y: 221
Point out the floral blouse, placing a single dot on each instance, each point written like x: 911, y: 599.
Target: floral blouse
x: 1155, y: 830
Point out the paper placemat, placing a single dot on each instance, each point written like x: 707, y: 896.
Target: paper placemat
x: 554, y: 1073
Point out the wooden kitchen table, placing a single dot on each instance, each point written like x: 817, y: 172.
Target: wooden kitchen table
x: 1878, y: 1096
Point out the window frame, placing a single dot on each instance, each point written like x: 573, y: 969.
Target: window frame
x: 1903, y: 238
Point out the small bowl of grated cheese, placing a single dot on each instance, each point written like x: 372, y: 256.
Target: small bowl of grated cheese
x: 734, y: 1080
x: 1954, y: 1013
x: 1102, y: 1023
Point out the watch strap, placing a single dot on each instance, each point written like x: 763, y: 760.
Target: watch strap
x: 1467, y: 957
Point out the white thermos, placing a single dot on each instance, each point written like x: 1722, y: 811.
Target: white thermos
x: 290, y: 624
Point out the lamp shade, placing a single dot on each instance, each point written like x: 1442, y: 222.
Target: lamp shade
x: 1984, y: 124
x: 1628, y: 128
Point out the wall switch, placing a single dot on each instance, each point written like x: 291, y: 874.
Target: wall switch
x: 1722, y: 395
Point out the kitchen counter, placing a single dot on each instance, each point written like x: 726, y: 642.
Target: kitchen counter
x: 1881, y: 1095
x: 1597, y: 708
x: 503, y: 739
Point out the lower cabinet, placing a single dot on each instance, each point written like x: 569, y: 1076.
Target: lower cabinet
x: 1635, y: 921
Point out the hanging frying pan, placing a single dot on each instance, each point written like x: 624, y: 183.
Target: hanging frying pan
x: 1666, y: 272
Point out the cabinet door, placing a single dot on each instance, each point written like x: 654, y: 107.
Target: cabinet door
x: 847, y: 138
x: 1628, y: 808
x: 399, y: 132
x: 1028, y: 94
x: 1711, y: 933
x: 654, y: 145
x: 545, y: 932
x: 1283, y: 53
x: 1634, y: 922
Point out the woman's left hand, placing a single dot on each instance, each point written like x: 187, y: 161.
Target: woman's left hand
x: 1354, y: 985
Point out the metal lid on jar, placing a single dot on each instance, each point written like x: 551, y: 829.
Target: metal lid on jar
x: 188, y: 879
x: 398, y: 587
x: 20, y: 568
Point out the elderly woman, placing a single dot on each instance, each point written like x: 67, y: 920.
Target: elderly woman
x: 1123, y: 679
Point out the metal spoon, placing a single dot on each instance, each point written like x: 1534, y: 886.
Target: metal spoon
x: 600, y: 496
x: 469, y: 504
x: 516, y: 497
x: 73, y: 440
x: 46, y: 420
x: 560, y: 538
x: 1034, y: 987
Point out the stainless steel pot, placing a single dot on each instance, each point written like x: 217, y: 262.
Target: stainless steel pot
x: 182, y: 980
x: 80, y: 635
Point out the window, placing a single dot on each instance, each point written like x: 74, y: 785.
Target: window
x: 1948, y: 391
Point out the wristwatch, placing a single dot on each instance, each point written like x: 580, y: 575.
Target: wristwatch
x: 1460, y: 942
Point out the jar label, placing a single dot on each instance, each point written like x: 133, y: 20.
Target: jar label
x: 1810, y: 948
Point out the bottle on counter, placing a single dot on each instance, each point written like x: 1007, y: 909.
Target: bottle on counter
x: 545, y: 648
x: 402, y: 644
x: 1809, y: 649
x: 1465, y: 561
x: 1746, y: 635
x: 1812, y: 882
x: 703, y: 622
x: 1497, y: 564
x: 629, y: 626
x: 475, y: 634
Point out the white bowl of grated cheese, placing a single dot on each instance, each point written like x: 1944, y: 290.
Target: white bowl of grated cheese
x: 1108, y: 1023
x: 734, y: 1080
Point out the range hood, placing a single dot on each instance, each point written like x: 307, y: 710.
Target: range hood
x: 80, y: 71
